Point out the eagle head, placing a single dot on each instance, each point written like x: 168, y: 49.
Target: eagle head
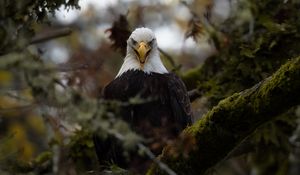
x: 142, y: 43
x: 142, y: 53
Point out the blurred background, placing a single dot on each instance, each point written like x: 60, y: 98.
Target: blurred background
x: 91, y: 31
x: 56, y: 57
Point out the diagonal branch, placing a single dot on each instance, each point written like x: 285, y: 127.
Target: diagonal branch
x: 233, y: 119
x: 42, y: 37
x: 194, y: 94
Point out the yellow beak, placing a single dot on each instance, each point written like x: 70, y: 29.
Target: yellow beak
x: 142, y: 50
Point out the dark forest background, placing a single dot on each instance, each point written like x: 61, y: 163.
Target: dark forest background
x: 53, y: 68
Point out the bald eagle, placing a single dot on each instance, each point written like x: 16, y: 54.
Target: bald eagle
x: 158, y: 120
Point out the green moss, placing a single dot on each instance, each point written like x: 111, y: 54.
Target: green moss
x: 279, y: 83
x: 43, y: 157
x: 235, y: 117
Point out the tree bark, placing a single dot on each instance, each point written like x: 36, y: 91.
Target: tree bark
x: 232, y: 120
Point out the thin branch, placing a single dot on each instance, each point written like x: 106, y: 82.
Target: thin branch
x: 161, y: 165
x: 71, y: 68
x: 18, y: 108
x: 146, y: 150
x: 243, y: 148
x: 17, y: 97
x: 19, y: 88
x: 42, y: 37
x: 194, y: 94
x: 57, y: 81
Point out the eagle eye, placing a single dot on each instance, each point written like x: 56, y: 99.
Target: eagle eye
x: 151, y: 42
x: 134, y: 42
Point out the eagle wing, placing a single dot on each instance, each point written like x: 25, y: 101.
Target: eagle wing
x: 179, y: 99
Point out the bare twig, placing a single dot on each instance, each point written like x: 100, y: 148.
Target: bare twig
x: 57, y: 81
x: 146, y: 150
x: 71, y: 68
x: 42, y: 37
x: 18, y: 108
x: 243, y: 148
x: 19, y: 88
x: 15, y: 96
x: 194, y: 94
x: 162, y: 165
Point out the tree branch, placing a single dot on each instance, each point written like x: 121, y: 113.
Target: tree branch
x: 194, y: 94
x: 51, y: 35
x: 233, y: 119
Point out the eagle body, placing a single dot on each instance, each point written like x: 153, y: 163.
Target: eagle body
x: 166, y: 103
x: 165, y: 108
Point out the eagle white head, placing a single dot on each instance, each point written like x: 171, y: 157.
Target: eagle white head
x: 142, y: 53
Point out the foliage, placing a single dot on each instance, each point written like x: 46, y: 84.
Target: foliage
x: 265, y: 40
x: 257, y: 38
x: 19, y: 17
x: 41, y: 80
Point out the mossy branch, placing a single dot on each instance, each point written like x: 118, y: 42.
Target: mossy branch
x: 233, y: 119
